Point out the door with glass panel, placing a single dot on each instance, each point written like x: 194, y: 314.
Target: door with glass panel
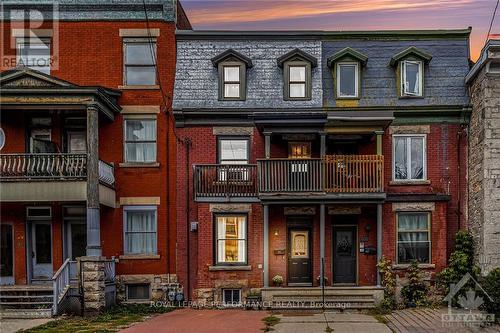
x: 299, y: 256
x: 6, y: 254
x: 77, y: 141
x: 344, y: 254
x: 41, y: 250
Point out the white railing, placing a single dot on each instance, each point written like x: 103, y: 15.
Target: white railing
x: 61, y: 282
x: 109, y: 270
x: 106, y: 173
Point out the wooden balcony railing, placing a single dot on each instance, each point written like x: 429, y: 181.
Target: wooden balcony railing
x: 51, y: 166
x: 332, y: 174
x: 217, y: 180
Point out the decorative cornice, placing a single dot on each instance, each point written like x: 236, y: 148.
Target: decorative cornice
x: 232, y: 54
x: 411, y: 51
x: 347, y: 52
x: 297, y: 53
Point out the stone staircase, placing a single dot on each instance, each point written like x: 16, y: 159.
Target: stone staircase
x: 341, y: 298
x: 26, y: 301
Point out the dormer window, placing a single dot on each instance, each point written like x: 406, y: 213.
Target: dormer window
x: 232, y: 67
x: 346, y: 65
x: 297, y: 77
x: 409, y: 65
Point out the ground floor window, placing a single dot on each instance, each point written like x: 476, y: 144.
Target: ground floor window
x: 138, y: 292
x: 231, y: 231
x: 231, y: 297
x: 140, y: 229
x: 414, y: 242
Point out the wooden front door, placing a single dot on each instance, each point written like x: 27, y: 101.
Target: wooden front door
x: 344, y: 254
x: 299, y: 256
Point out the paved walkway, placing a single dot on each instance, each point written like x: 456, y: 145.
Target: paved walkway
x: 203, y: 321
x: 427, y: 321
x: 14, y: 325
x: 337, y: 322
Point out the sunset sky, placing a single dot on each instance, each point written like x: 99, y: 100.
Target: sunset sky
x: 346, y: 15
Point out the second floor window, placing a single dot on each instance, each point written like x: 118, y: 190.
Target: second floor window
x: 411, y: 78
x: 347, y: 79
x: 139, y: 60
x: 34, y: 53
x: 233, y: 151
x: 409, y: 157
x: 140, y: 140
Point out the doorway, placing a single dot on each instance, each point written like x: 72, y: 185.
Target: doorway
x: 41, y: 250
x: 299, y: 254
x: 6, y: 254
x: 345, y: 263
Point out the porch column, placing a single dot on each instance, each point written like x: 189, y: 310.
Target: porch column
x: 322, y: 149
x: 379, y: 141
x: 93, y: 229
x: 267, y: 143
x: 322, y: 243
x: 266, y: 246
x: 379, y: 239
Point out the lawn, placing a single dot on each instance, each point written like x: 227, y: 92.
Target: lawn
x: 112, y: 320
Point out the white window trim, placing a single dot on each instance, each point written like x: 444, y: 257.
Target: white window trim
x: 140, y: 118
x: 230, y: 263
x: 144, y: 40
x: 138, y: 208
x: 231, y: 304
x: 224, y: 81
x: 31, y: 40
x: 428, y: 230
x: 408, y: 157
x: 356, y: 79
x: 420, y: 78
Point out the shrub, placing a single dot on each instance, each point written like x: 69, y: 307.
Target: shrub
x: 491, y: 284
x: 388, y: 280
x: 277, y: 280
x: 415, y: 293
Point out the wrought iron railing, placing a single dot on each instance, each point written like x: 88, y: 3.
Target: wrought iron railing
x: 106, y: 173
x: 109, y: 270
x: 220, y: 180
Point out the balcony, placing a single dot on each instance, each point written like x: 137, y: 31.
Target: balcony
x: 51, y: 177
x: 225, y: 181
x: 355, y: 175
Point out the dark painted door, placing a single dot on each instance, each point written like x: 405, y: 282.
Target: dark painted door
x: 344, y: 254
x: 299, y: 256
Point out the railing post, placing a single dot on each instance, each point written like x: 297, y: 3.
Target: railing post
x: 55, y: 297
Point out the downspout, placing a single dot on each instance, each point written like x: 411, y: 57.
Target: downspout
x: 168, y: 197
x: 187, y: 143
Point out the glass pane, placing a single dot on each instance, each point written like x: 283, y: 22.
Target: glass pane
x: 140, y: 130
x: 138, y: 220
x: 297, y: 90
x: 234, y: 150
x: 140, y: 243
x: 232, y: 90
x: 78, y: 240
x: 347, y: 77
x: 43, y: 244
x: 140, y: 291
x: 344, y: 244
x: 77, y: 142
x: 422, y: 236
x: 412, y: 221
x: 141, y: 76
x: 35, y: 56
x: 231, y: 74
x: 412, y: 83
x: 417, y: 158
x: 298, y: 74
x: 400, y: 158
x: 141, y: 152
x: 407, y: 252
x: 139, y: 54
x: 6, y: 250
x: 231, y: 235
x: 300, y: 246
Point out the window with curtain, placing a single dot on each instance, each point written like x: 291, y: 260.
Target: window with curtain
x: 414, y: 241
x: 139, y: 61
x: 140, y: 229
x: 140, y: 140
x: 409, y: 159
x: 34, y: 53
x: 231, y: 239
x: 411, y: 78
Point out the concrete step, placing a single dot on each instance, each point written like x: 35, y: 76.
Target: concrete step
x: 25, y: 313
x: 318, y: 304
x: 26, y: 301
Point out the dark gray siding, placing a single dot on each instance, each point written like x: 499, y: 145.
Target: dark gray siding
x: 444, y: 75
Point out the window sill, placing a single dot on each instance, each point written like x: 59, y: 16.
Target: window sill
x: 410, y: 97
x: 138, y: 256
x: 139, y: 165
x: 409, y: 182
x: 229, y: 268
x: 422, y: 266
x: 348, y: 98
x: 147, y: 87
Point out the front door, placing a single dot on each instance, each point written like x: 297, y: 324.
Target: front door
x: 77, y: 239
x: 41, y: 250
x: 6, y: 254
x: 299, y: 256
x: 344, y: 254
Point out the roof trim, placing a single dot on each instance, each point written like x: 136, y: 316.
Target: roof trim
x: 491, y: 45
x: 231, y: 53
x: 412, y: 50
x: 297, y: 53
x: 363, y: 59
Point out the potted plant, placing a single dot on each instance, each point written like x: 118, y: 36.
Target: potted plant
x: 278, y: 280
x: 325, y: 280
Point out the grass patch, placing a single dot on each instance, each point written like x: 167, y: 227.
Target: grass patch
x: 381, y: 319
x: 270, y: 321
x: 112, y: 320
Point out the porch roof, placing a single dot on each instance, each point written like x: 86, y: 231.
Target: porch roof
x: 28, y: 89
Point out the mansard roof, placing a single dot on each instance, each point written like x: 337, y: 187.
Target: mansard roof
x: 297, y: 53
x: 347, y: 52
x: 230, y: 53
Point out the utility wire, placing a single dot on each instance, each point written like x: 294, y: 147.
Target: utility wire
x: 491, y: 22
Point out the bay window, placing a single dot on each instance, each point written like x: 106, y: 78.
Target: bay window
x: 140, y: 140
x: 413, y: 239
x: 140, y: 223
x: 231, y: 239
x: 409, y: 157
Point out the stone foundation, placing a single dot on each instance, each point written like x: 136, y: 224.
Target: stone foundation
x: 158, y: 284
x: 93, y: 284
x: 209, y: 295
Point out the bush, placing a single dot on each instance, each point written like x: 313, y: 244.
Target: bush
x: 415, y: 293
x: 388, y: 280
x: 491, y: 284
